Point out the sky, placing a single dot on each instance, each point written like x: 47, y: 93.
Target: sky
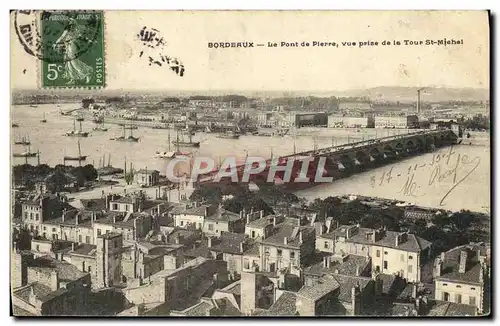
x: 187, y: 35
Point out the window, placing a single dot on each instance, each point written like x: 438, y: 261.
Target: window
x: 280, y: 252
x: 410, y: 257
x: 210, y: 227
x: 377, y: 268
x: 473, y: 289
x: 410, y: 269
x: 37, y: 247
x: 37, y: 217
x: 25, y: 215
x: 44, y: 228
x: 98, y: 232
x: 182, y: 223
x: 90, y: 269
x: 246, y: 263
x: 31, y: 216
x: 385, y: 264
x: 44, y: 235
x: 87, y: 239
x: 53, y: 229
x: 126, y: 208
x: 253, y: 234
x: 378, y: 253
x: 326, y: 244
x: 458, y: 298
x: 292, y: 254
x: 115, y: 207
x: 402, y: 257
x: 459, y: 286
x: 54, y: 236
x: 107, y: 231
x: 445, y: 284
x: 472, y: 301
x: 446, y: 296
x: 80, y: 238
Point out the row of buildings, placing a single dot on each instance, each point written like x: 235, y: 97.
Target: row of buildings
x: 152, y: 257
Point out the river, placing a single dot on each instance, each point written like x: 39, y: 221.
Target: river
x: 472, y: 193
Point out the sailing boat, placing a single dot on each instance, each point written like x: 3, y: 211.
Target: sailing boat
x: 23, y: 141
x: 178, y: 142
x: 168, y: 154
x: 130, y: 138
x: 230, y: 134
x: 75, y: 133
x: 100, y: 126
x: 43, y: 120
x: 26, y: 154
x: 78, y: 158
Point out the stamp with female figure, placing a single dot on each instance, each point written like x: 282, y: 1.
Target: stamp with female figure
x: 69, y: 45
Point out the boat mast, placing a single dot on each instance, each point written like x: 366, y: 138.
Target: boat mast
x: 109, y: 159
x: 79, y: 153
x: 169, y: 140
x: 74, y: 126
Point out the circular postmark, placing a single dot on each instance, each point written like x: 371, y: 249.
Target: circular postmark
x: 57, y: 36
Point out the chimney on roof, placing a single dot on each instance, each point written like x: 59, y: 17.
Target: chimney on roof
x: 54, y: 281
x: 438, y: 266
x: 275, y: 221
x: 463, y: 261
x: 242, y: 247
x: 301, y: 240
x: 248, y: 218
x: 285, y: 240
x: 63, y: 214
x: 73, y: 246
x: 77, y: 217
x: 261, y: 213
x: 397, y: 239
x: 206, y: 211
x: 443, y: 256
x: 114, y: 218
x: 209, y: 242
x: 326, y: 262
x: 478, y: 254
x: 241, y: 216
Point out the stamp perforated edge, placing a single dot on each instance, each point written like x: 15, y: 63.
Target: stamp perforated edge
x: 39, y: 78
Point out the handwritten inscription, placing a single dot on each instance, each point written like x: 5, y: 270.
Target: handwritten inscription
x: 444, y: 168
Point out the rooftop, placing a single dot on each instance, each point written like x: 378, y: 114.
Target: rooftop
x: 450, y: 267
x: 40, y: 290
x: 84, y: 250
x: 229, y: 243
x: 224, y: 215
x: 444, y: 308
x: 65, y: 271
x: 288, y: 229
x: 284, y: 306
x: 348, y: 266
x: 412, y: 244
x: 261, y: 222
x: 324, y: 285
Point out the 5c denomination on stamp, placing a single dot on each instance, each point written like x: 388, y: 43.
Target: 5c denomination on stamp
x: 69, y: 44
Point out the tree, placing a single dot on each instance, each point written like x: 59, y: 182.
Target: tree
x: 207, y: 193
x: 247, y: 201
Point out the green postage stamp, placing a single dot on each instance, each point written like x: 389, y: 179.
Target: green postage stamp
x: 69, y: 44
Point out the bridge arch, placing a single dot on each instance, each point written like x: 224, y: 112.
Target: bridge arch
x: 399, y: 147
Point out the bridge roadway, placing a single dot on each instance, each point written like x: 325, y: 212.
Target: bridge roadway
x: 365, y: 151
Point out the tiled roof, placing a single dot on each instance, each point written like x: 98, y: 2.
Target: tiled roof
x: 322, y: 287
x: 224, y: 215
x: 412, y: 244
x: 40, y: 290
x: 286, y: 229
x: 261, y: 222
x: 346, y: 267
x: 234, y: 288
x: 346, y: 284
x: 473, y: 269
x: 94, y: 204
x: 197, y: 211
x: 284, y: 306
x: 444, y: 308
x: 229, y: 243
x: 65, y: 271
x: 201, y: 309
x: 20, y: 312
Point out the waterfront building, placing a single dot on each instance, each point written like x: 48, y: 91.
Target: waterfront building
x: 400, y: 122
x: 335, y: 121
x: 147, y: 178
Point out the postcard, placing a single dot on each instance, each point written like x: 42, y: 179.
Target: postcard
x: 250, y: 163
